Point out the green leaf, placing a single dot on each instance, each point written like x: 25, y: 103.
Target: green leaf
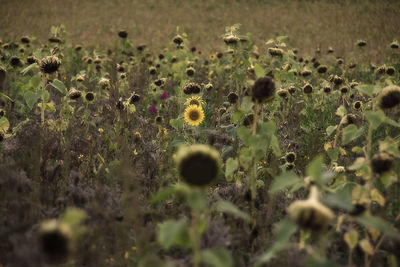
x: 341, y: 111
x: 259, y: 71
x: 245, y: 157
x: 275, y: 146
x: 237, y: 116
x: 30, y: 67
x: 367, y: 89
x: 350, y: 133
x: 74, y: 216
x: 330, y: 130
x: 218, y: 257
x: 282, y: 232
x: 173, y: 232
x: 176, y: 123
x: 31, y: 98
x: 341, y: 199
x: 4, y: 125
x: 379, y: 224
x: 244, y: 134
x: 230, y: 167
x: 333, y: 154
x: 314, y: 169
x: 227, y: 207
x: 267, y: 128
x: 375, y: 118
x: 247, y: 104
x: 163, y: 194
x: 284, y: 180
x: 59, y: 85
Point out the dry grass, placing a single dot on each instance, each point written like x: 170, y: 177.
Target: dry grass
x: 308, y: 23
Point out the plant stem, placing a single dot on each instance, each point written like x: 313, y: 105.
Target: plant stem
x: 195, y: 240
x: 350, y: 259
x: 44, y: 81
x: 253, y: 177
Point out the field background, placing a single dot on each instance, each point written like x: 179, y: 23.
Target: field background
x: 308, y: 23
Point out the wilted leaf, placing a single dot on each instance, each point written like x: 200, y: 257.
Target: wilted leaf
x: 351, y: 238
x: 367, y: 247
x: 4, y: 125
x: 377, y: 196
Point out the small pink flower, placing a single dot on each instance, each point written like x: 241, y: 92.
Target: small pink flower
x: 152, y: 109
x: 164, y: 96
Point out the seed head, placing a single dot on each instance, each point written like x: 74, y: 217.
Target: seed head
x: 123, y: 34
x: 25, y: 39
x: 275, y: 52
x: 310, y: 214
x: 49, y: 64
x: 15, y: 61
x: 290, y: 157
x: 361, y: 43
x: 56, y: 241
x: 134, y: 98
x: 232, y: 97
x: 389, y: 97
x: 74, y: 93
x: 348, y: 119
x: 190, y: 71
x: 357, y: 105
x: 390, y: 70
x: 344, y: 89
x: 283, y: 93
x: 198, y: 165
x: 231, y: 39
x: 178, y: 39
x: 381, y: 163
x: 307, y: 89
x: 263, y: 89
x: 322, y: 68
x: 192, y: 88
x: 292, y: 90
x: 394, y: 45
x: 89, y: 96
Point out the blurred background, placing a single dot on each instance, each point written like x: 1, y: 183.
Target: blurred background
x: 308, y: 23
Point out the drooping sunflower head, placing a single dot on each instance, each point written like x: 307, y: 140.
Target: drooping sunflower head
x: 198, y: 164
x: 49, y: 64
x: 263, y: 89
x: 195, y: 100
x: 56, y: 241
x: 194, y: 115
x: 311, y: 214
x: 389, y: 97
x: 381, y: 163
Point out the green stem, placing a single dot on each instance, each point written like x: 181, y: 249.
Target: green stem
x: 44, y: 80
x: 195, y: 240
x: 253, y: 177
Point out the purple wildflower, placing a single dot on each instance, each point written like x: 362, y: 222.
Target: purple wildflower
x: 164, y: 96
x: 152, y: 109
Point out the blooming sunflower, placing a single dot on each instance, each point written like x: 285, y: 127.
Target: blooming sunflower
x: 195, y: 100
x: 194, y: 115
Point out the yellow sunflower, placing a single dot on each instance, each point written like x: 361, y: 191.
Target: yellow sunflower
x: 195, y: 100
x: 194, y: 115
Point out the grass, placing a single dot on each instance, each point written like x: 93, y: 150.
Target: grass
x: 308, y: 23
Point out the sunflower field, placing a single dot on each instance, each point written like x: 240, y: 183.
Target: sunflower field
x: 127, y: 156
